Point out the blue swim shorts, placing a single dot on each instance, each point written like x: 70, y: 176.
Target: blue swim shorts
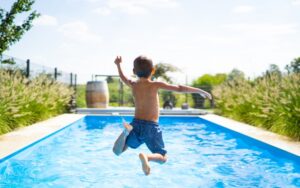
x: 147, y: 132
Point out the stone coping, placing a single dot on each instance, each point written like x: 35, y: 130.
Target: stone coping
x: 273, y: 139
x: 22, y: 137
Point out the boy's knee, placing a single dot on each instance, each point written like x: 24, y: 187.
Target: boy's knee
x: 164, y: 159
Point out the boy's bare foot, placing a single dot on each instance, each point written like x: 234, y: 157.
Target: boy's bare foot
x: 145, y: 163
x: 128, y: 127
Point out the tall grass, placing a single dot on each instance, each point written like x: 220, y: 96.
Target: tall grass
x: 271, y: 102
x: 23, y: 101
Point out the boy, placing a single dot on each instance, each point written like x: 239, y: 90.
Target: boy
x: 144, y: 127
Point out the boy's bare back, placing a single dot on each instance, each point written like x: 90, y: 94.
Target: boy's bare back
x: 145, y: 94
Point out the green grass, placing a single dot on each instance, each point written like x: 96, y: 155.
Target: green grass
x: 23, y: 101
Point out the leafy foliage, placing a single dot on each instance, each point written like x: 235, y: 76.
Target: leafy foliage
x: 11, y: 32
x: 235, y: 74
x: 294, y: 66
x: 161, y: 70
x: 80, y: 96
x: 209, y: 80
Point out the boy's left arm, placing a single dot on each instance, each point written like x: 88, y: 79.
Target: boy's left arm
x: 183, y: 89
x: 118, y: 62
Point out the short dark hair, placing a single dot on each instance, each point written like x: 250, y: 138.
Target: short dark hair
x: 143, y: 66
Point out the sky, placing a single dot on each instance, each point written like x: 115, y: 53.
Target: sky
x: 198, y: 36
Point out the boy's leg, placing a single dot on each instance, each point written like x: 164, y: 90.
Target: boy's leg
x: 145, y: 163
x: 156, y: 157
x: 120, y: 145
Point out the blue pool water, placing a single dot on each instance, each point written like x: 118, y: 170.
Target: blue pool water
x: 201, y: 154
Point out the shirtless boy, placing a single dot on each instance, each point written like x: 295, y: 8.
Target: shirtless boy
x: 144, y: 127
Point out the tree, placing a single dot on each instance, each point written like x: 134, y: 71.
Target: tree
x: 235, y: 74
x: 294, y: 66
x: 273, y: 70
x: 161, y: 70
x: 10, y: 32
x: 208, y: 80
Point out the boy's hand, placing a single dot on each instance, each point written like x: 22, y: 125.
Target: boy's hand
x: 206, y: 95
x: 118, y: 60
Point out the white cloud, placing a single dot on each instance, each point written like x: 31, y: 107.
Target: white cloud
x: 93, y: 1
x: 79, y: 31
x: 131, y: 7
x: 134, y: 7
x: 46, y: 20
x: 295, y: 2
x: 104, y: 11
x: 217, y: 39
x: 243, y: 9
x: 263, y: 29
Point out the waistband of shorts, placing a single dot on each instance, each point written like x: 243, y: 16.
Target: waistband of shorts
x: 142, y: 121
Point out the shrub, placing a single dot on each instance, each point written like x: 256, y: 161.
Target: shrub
x: 80, y: 96
x: 271, y: 102
x: 23, y: 101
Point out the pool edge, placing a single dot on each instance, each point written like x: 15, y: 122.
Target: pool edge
x: 278, y: 141
x: 16, y: 141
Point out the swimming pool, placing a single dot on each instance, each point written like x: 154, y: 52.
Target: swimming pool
x: 201, y: 154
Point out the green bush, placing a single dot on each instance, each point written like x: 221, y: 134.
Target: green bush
x: 23, y: 101
x: 80, y: 96
x: 271, y: 102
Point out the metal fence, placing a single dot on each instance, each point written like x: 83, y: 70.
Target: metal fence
x: 32, y: 70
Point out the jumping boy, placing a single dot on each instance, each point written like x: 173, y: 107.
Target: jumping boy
x: 144, y: 128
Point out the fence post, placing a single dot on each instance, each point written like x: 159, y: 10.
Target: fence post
x: 27, y: 68
x: 71, y: 79
x: 55, y: 73
x: 75, y: 90
x: 75, y: 80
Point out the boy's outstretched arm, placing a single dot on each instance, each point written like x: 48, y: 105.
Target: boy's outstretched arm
x: 118, y: 62
x: 183, y: 89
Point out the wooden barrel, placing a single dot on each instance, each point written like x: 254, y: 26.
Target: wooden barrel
x: 97, y: 94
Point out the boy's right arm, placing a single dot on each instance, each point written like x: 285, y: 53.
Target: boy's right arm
x: 183, y: 89
x: 127, y: 81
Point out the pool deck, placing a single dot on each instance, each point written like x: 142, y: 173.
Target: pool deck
x: 262, y: 135
x: 20, y: 138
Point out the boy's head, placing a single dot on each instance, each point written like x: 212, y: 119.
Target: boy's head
x: 143, y: 67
